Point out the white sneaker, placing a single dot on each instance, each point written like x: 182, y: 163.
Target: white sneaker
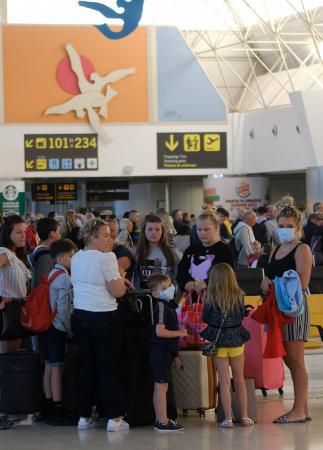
x: 85, y: 424
x: 121, y: 425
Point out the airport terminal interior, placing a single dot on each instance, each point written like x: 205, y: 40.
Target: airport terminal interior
x: 158, y: 106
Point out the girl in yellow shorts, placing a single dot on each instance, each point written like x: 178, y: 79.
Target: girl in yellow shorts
x: 223, y: 313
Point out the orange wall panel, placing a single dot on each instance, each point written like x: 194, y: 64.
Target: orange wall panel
x: 32, y: 53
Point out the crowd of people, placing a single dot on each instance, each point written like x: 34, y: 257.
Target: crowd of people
x: 95, y: 258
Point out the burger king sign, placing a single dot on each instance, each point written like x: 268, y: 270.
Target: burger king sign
x: 243, y: 189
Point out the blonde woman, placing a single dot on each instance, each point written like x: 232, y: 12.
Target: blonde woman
x: 292, y: 254
x: 223, y: 313
x: 193, y: 270
x: 168, y: 223
x: 70, y: 229
x: 124, y: 236
x: 97, y: 282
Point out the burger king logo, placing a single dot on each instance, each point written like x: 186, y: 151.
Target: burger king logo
x: 243, y: 190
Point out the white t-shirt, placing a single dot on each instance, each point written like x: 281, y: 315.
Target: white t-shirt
x: 90, y: 272
x: 13, y: 276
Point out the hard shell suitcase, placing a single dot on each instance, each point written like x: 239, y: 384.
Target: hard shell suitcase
x: 195, y: 382
x: 236, y: 414
x: 135, y: 311
x: 20, y: 382
x: 267, y: 373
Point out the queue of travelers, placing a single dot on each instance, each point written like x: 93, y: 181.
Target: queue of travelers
x: 97, y: 258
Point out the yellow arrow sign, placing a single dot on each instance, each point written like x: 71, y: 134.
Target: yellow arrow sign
x: 29, y: 143
x: 30, y: 164
x: 172, y: 144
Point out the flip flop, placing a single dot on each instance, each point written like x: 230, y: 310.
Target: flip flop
x: 284, y: 420
x: 246, y: 422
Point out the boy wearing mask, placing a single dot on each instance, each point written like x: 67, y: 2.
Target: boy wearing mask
x: 164, y: 346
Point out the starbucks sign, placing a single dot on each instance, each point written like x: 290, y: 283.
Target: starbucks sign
x: 12, y: 197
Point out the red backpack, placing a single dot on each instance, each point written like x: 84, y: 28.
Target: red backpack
x: 36, y: 314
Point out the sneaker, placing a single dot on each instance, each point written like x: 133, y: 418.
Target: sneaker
x: 121, y: 425
x: 170, y: 426
x: 5, y: 422
x: 85, y: 424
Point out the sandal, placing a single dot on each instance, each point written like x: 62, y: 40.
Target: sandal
x: 246, y: 422
x: 226, y: 423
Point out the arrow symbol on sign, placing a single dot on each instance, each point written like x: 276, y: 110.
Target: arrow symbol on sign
x: 172, y: 144
x: 30, y: 164
x: 29, y: 143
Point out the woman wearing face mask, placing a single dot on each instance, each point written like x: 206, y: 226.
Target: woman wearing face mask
x: 292, y: 254
x: 193, y: 270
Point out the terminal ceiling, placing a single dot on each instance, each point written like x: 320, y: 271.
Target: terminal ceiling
x: 255, y: 52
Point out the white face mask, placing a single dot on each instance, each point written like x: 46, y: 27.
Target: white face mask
x: 167, y: 294
x: 286, y: 234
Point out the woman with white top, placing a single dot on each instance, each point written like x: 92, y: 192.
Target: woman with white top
x: 97, y: 283
x: 14, y: 278
x: 14, y: 268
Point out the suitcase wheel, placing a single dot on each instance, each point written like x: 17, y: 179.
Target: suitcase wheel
x: 264, y: 392
x: 201, y: 413
x: 281, y: 390
x: 185, y: 412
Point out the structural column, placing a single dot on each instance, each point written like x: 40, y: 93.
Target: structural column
x: 314, y: 186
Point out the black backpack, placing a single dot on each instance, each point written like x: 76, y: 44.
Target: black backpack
x: 234, y: 251
x: 260, y: 233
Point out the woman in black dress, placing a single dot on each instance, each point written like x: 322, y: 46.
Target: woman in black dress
x: 292, y: 254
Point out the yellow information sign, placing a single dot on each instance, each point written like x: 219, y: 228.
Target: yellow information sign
x: 192, y: 142
x: 41, y: 143
x: 41, y: 164
x: 30, y: 164
x: 212, y: 143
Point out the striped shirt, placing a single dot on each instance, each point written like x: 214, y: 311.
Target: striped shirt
x: 13, y: 276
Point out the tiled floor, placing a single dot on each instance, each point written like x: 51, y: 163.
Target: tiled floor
x: 199, y: 434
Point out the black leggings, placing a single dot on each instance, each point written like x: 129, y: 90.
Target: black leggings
x: 98, y: 338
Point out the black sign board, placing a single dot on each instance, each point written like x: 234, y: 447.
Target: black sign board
x: 63, y: 152
x: 107, y: 196
x: 192, y: 150
x: 53, y: 192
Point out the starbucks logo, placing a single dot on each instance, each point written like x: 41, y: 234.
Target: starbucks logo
x: 10, y: 193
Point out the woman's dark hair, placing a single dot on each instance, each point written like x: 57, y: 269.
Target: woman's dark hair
x: 5, y: 240
x: 184, y: 230
x: 143, y: 246
x: 224, y: 212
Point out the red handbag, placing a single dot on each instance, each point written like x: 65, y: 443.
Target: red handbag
x: 190, y: 317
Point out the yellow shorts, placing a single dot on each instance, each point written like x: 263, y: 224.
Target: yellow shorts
x: 229, y: 352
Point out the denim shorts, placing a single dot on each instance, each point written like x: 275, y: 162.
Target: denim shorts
x: 54, y: 347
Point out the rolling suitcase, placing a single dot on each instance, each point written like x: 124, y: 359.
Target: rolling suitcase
x: 136, y: 320
x: 20, y: 382
x: 267, y: 373
x: 195, y: 382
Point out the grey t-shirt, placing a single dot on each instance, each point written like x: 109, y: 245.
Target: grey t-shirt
x: 156, y: 262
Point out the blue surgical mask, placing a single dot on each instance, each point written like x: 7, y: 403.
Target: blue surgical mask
x: 167, y: 294
x: 286, y: 234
